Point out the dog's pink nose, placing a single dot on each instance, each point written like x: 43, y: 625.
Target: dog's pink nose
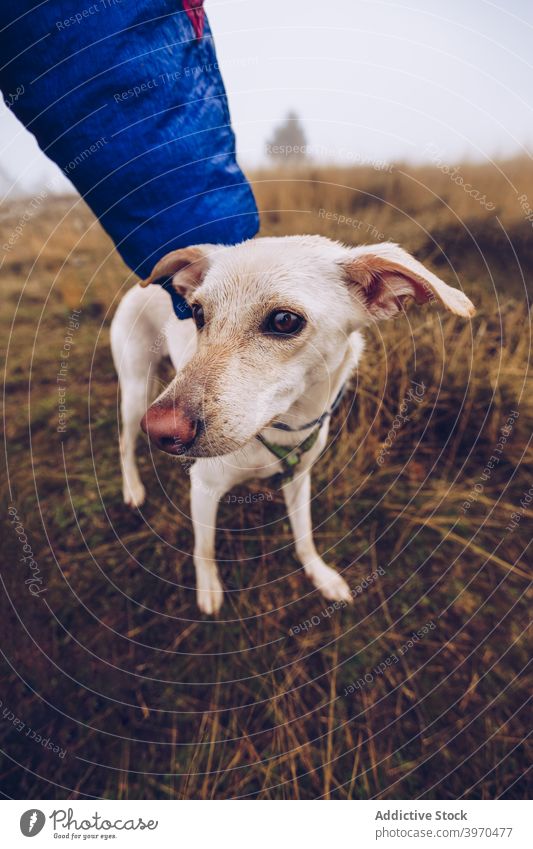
x: 170, y: 428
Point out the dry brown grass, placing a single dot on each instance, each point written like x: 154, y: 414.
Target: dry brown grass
x: 112, y: 662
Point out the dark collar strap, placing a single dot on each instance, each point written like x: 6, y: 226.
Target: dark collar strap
x: 319, y: 421
x: 290, y: 456
x: 179, y: 304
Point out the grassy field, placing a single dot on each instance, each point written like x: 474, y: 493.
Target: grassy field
x: 113, y: 686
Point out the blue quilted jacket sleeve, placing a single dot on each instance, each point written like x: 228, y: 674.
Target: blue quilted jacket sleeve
x: 126, y: 97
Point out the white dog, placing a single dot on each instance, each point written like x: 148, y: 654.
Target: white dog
x: 275, y: 335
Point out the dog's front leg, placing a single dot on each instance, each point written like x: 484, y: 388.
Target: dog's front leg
x: 205, y: 496
x: 297, y: 492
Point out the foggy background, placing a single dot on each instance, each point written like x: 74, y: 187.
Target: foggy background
x: 369, y: 79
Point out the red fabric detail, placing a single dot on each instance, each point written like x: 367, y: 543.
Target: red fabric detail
x: 196, y: 14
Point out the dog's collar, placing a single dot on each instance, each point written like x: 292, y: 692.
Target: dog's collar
x: 180, y: 306
x: 319, y: 421
x: 290, y: 455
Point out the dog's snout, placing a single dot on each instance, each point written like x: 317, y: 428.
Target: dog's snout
x: 171, y: 428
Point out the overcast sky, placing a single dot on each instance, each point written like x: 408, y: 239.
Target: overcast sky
x: 371, y: 80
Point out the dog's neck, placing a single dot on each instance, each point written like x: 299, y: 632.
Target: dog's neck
x: 302, y: 416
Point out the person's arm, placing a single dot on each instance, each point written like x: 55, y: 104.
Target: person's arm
x: 126, y: 97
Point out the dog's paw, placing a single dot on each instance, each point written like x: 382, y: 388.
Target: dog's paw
x: 134, y: 495
x: 330, y: 583
x: 210, y: 596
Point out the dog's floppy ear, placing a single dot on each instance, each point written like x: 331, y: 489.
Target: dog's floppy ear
x: 187, y: 267
x: 383, y: 276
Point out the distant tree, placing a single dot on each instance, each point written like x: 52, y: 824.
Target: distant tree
x: 5, y: 177
x: 288, y: 142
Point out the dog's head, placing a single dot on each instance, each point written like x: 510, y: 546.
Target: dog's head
x: 274, y: 316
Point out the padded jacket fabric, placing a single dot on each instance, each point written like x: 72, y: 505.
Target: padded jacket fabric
x: 126, y: 97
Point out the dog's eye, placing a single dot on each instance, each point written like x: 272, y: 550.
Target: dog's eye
x: 198, y: 315
x: 284, y: 322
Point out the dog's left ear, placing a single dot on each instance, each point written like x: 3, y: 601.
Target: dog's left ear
x: 383, y: 276
x: 187, y: 267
